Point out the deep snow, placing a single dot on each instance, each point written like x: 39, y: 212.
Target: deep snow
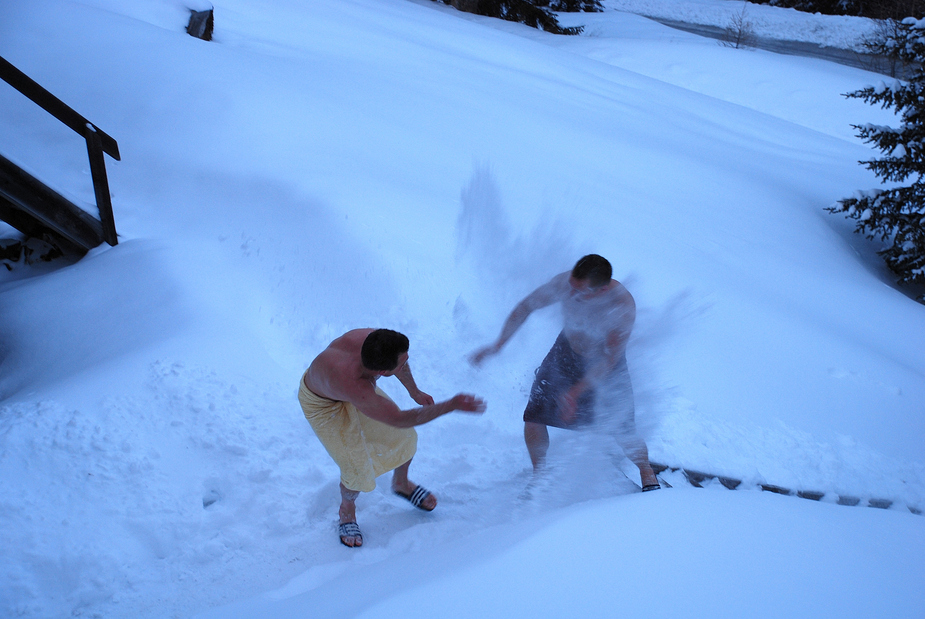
x: 328, y: 165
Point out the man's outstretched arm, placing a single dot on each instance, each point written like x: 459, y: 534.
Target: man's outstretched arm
x: 545, y: 295
x: 383, y: 409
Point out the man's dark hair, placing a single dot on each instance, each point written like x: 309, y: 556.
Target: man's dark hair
x: 593, y: 268
x: 381, y: 350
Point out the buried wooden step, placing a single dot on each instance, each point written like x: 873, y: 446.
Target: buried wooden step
x: 40, y: 212
x: 776, y: 489
x: 696, y: 478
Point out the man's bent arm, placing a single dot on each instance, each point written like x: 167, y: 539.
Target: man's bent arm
x: 407, y: 380
x: 614, y: 351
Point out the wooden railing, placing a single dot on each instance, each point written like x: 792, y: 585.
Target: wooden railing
x: 98, y: 142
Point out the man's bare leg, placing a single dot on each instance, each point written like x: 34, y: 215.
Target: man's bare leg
x: 348, y: 513
x: 537, y: 438
x: 636, y: 450
x: 400, y: 483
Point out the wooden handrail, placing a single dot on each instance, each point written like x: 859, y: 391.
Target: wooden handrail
x: 54, y: 106
x: 98, y: 141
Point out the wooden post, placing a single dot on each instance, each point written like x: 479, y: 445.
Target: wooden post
x: 101, y: 184
x: 201, y: 24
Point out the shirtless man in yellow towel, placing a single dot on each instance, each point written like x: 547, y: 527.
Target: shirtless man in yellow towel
x: 362, y: 429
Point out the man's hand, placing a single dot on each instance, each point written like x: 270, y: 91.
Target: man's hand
x: 481, y: 354
x: 422, y: 398
x: 468, y: 403
x: 568, y: 403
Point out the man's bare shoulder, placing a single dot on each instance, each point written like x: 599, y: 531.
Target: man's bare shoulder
x: 621, y: 294
x: 560, y: 281
x: 334, y: 372
x: 553, y: 291
x: 623, y: 305
x: 351, y: 340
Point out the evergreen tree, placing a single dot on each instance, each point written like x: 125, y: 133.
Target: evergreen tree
x: 538, y: 14
x: 896, y: 214
x: 533, y: 13
x: 875, y: 9
x: 576, y: 6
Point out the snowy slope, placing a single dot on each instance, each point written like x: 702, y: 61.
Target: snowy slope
x: 327, y: 165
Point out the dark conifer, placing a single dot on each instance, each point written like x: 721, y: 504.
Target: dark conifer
x: 535, y: 13
x: 895, y: 214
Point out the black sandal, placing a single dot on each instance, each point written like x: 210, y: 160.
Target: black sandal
x: 350, y: 529
x: 417, y: 497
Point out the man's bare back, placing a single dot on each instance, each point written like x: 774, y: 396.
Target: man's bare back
x: 338, y: 372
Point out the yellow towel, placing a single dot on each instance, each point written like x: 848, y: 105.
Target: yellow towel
x: 363, y: 448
